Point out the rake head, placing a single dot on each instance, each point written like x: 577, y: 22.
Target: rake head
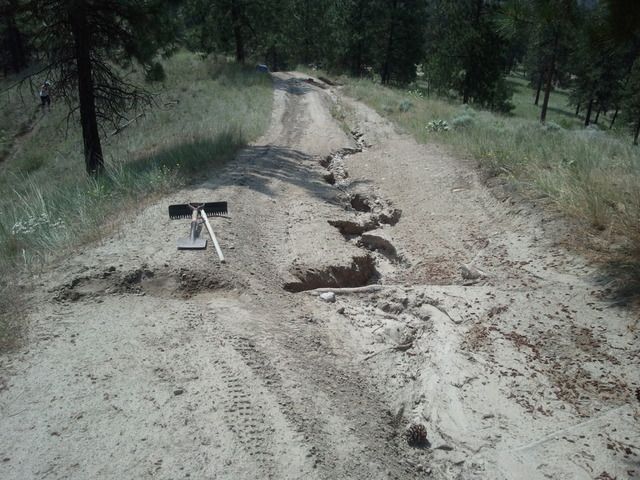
x: 185, y: 210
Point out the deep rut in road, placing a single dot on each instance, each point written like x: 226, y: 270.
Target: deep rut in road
x: 361, y: 271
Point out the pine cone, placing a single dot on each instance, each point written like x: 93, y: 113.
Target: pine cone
x: 417, y: 435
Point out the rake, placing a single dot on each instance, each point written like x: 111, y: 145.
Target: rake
x: 192, y: 210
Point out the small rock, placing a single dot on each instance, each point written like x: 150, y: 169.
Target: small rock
x: 178, y: 391
x: 470, y: 272
x: 341, y: 310
x: 329, y: 297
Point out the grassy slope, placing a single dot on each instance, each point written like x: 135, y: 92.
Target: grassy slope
x: 588, y: 174
x: 205, y: 113
x: 558, y: 112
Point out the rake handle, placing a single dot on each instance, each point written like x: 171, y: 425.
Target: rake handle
x: 194, y: 225
x: 213, y: 236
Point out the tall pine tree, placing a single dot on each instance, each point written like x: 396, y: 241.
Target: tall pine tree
x: 83, y: 43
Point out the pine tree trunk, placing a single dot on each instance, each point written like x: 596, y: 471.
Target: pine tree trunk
x: 358, y: 47
x: 237, y: 31
x: 91, y: 138
x: 385, y: 75
x: 538, y: 89
x: 15, y: 44
x: 578, y: 108
x: 273, y: 52
x: 549, y: 81
x: 306, y: 52
x: 635, y: 137
x: 357, y: 61
x: 613, y: 119
x: 587, y: 118
x: 597, y: 117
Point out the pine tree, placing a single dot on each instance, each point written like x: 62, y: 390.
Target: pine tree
x: 402, y: 43
x: 465, y: 53
x: 631, y: 101
x: 83, y: 42
x: 12, y: 41
x: 549, y: 26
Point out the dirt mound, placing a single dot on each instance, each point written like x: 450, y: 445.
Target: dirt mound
x: 140, y: 281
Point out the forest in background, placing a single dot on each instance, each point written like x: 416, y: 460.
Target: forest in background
x: 463, y: 49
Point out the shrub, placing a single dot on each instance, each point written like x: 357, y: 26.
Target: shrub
x: 462, y: 121
x: 405, y: 105
x: 551, y: 127
x: 437, y: 126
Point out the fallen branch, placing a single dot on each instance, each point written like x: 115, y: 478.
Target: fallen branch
x: 122, y: 127
x: 365, y: 289
x: 442, y: 310
x: 563, y: 431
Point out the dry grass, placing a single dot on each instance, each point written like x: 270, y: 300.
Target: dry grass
x: 205, y: 112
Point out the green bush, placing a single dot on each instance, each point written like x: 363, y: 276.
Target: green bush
x: 462, y: 121
x: 551, y: 127
x: 405, y: 105
x: 437, y: 126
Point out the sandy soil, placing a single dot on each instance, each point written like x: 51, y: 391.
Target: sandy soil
x: 147, y: 362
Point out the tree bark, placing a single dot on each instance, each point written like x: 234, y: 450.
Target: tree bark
x: 587, y: 118
x: 385, y: 75
x: 578, y: 108
x: 274, y: 59
x: 90, y: 136
x: 597, y: 116
x: 538, y: 89
x: 613, y: 119
x: 549, y: 81
x: 15, y: 44
x: 635, y: 137
x: 237, y: 31
x: 357, y: 47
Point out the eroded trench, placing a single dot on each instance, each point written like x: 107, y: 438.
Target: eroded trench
x: 369, y: 215
x: 361, y: 271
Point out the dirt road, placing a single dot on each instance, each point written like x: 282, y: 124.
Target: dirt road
x: 146, y: 362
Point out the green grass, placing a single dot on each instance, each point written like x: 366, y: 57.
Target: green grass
x: 589, y: 175
x: 558, y: 112
x: 205, y: 112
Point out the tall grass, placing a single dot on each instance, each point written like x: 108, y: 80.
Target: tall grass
x: 204, y: 113
x: 585, y: 173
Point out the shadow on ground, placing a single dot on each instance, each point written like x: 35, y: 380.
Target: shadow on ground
x: 259, y: 167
